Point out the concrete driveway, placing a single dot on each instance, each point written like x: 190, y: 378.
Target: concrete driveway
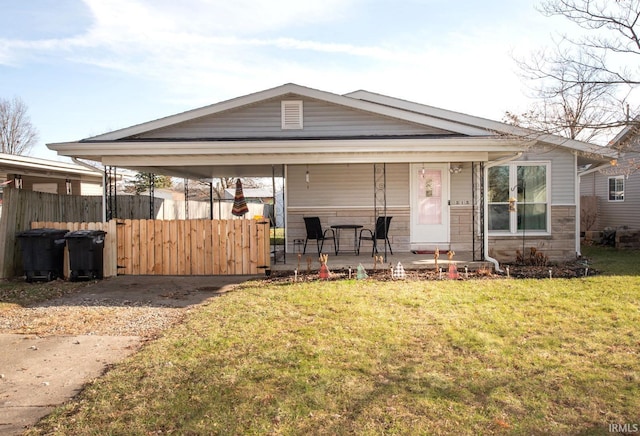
x: 41, y: 371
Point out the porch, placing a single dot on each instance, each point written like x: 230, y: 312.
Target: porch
x: 409, y: 260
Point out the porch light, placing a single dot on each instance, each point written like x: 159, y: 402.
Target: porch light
x: 455, y: 168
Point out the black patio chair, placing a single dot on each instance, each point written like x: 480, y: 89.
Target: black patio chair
x: 315, y: 233
x: 380, y: 232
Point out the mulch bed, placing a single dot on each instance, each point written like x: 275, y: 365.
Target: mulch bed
x: 567, y: 270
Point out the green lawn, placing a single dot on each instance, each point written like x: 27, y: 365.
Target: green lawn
x: 505, y: 356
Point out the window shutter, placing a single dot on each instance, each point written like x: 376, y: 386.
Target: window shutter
x: 292, y: 114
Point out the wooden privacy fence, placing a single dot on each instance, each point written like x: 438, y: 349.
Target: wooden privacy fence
x: 181, y: 247
x: 110, y: 246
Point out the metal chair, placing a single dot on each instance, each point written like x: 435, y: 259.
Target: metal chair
x: 381, y: 232
x: 315, y: 233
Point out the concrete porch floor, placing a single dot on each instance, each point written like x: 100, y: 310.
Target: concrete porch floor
x: 344, y: 261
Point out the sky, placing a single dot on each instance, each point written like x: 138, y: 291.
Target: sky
x: 86, y: 67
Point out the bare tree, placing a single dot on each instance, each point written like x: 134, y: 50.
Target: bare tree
x: 17, y: 134
x: 569, y: 102
x: 609, y: 47
x: 586, y: 82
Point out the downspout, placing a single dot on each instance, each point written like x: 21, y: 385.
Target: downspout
x: 577, y: 201
x: 485, y: 232
x: 104, y: 176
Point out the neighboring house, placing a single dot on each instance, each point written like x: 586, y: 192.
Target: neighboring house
x: 450, y: 181
x: 43, y: 175
x: 616, y: 188
x: 251, y: 195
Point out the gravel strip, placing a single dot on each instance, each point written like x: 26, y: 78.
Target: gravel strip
x: 90, y: 320
x: 122, y: 306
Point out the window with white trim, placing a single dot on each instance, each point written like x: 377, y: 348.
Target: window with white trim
x: 291, y: 114
x: 616, y: 188
x: 518, y: 197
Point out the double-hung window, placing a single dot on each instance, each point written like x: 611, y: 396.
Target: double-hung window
x: 518, y: 197
x: 616, y: 188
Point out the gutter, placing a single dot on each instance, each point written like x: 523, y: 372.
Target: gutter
x: 104, y: 184
x: 496, y: 264
x: 577, y: 200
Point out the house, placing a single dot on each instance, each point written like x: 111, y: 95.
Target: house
x: 450, y: 181
x: 611, y: 195
x: 251, y: 195
x: 43, y: 175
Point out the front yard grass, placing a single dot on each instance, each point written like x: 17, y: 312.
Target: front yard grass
x: 549, y: 356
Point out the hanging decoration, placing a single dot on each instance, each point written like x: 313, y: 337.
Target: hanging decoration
x: 239, y: 203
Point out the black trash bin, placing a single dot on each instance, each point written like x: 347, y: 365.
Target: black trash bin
x: 85, y: 254
x: 42, y: 253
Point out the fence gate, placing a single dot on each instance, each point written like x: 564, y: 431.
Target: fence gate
x: 180, y: 247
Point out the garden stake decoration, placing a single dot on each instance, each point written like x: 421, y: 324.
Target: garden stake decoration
x: 398, y: 272
x: 453, y: 269
x: 377, y: 259
x: 361, y: 273
x: 324, y: 270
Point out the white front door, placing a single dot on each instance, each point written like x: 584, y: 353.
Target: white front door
x: 429, y: 206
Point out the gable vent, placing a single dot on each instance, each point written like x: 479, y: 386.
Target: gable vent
x: 292, y: 114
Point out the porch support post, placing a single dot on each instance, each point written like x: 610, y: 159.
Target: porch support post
x: 186, y: 199
x: 380, y: 197
x: 211, y: 200
x: 152, y: 183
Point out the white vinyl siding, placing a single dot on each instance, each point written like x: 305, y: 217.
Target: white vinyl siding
x: 460, y: 186
x: 88, y: 188
x: 344, y: 186
x: 562, y: 175
x: 264, y: 120
x: 614, y: 213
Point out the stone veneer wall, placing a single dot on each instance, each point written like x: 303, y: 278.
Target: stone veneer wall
x: 559, y: 246
x: 461, y: 228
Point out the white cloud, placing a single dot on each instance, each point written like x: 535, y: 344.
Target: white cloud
x: 202, y: 51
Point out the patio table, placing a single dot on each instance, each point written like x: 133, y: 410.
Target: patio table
x: 355, y: 227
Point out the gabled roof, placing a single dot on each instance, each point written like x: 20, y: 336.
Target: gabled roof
x: 632, y: 129
x: 290, y: 88
x: 478, y: 122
